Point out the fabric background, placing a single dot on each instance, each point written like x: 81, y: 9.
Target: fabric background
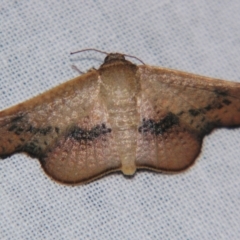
x: 202, y: 37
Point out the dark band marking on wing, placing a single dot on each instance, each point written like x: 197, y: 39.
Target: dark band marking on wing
x: 88, y: 135
x: 31, y: 144
x: 160, y: 127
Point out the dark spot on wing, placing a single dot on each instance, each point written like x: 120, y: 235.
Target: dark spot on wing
x: 17, y: 119
x: 19, y: 129
x: 46, y: 130
x: 194, y: 112
x: 208, y: 108
x: 222, y: 93
x: 57, y: 130
x: 226, y: 101
x: 219, y: 106
x: 43, y: 131
x: 180, y: 113
x: 31, y: 148
x: 208, y: 127
x: 12, y: 127
x: 88, y: 135
x: 160, y: 127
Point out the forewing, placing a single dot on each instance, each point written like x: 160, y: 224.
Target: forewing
x: 66, y: 128
x: 177, y: 110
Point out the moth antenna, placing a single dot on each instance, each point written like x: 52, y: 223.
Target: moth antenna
x: 90, y: 49
x: 96, y: 50
x: 76, y: 69
x: 131, y: 56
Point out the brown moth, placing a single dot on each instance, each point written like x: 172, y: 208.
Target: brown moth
x: 119, y: 117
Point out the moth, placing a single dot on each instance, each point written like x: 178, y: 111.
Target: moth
x: 120, y: 117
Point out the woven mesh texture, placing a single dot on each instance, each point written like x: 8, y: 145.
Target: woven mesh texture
x: 202, y: 37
